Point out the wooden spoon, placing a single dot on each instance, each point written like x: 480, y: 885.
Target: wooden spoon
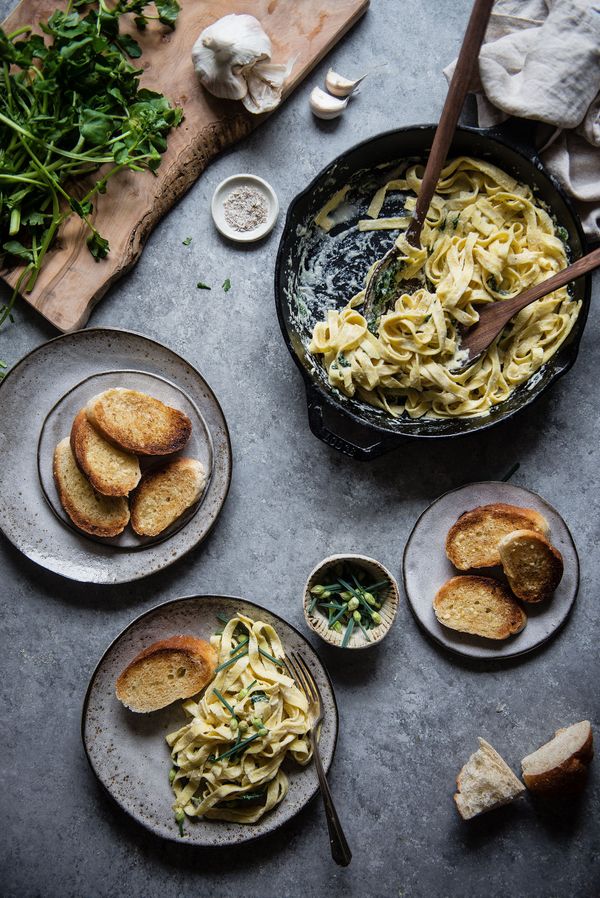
x: 459, y: 87
x: 496, y: 315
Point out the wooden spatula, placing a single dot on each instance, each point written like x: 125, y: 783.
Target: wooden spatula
x: 496, y: 315
x: 377, y: 299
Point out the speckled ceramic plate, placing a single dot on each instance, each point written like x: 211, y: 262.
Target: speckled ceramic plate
x: 426, y: 568
x: 129, y: 754
x: 38, y: 399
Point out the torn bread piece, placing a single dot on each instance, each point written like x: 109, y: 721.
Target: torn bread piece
x: 165, y: 493
x: 111, y: 471
x: 472, y: 542
x: 138, y: 423
x: 168, y: 670
x: 533, y: 566
x: 561, y: 765
x: 94, y: 514
x: 480, y: 606
x: 485, y: 782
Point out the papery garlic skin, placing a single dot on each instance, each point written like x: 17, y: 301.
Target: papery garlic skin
x: 339, y: 86
x: 232, y: 58
x: 325, y: 106
x: 265, y: 82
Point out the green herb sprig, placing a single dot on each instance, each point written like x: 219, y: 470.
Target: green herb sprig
x: 348, y: 605
x: 71, y: 103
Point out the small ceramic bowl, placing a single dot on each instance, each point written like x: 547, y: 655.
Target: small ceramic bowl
x: 375, y: 571
x: 228, y: 186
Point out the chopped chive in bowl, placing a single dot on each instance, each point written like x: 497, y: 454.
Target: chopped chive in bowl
x: 350, y: 600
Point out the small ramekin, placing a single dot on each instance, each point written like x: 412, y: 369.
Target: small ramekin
x: 318, y: 622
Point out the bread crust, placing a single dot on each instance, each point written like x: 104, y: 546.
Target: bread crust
x: 198, y: 651
x: 79, y: 518
x: 568, y: 777
x: 134, y: 430
x: 531, y: 585
x: 508, y: 620
x: 188, y: 645
x: 152, y: 482
x: 514, y: 516
x: 80, y: 436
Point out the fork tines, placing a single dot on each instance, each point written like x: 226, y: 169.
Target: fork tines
x: 304, y: 679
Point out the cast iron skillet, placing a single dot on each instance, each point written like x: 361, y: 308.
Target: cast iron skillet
x: 315, y: 272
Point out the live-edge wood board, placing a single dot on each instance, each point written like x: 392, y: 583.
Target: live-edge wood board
x: 71, y: 281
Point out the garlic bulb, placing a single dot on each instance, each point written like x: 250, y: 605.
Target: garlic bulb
x: 232, y: 58
x: 339, y: 86
x: 324, y: 105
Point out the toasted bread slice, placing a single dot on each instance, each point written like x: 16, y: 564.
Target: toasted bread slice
x: 164, y: 494
x: 478, y: 605
x: 166, y: 671
x: 111, y: 471
x: 473, y: 541
x: 532, y: 565
x: 561, y: 765
x: 485, y: 782
x: 91, y: 512
x: 138, y: 423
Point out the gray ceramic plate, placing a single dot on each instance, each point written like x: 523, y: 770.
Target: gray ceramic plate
x: 129, y: 754
x: 39, y: 398
x: 426, y: 568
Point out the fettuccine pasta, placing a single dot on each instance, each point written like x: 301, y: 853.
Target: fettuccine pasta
x: 227, y: 759
x: 486, y: 239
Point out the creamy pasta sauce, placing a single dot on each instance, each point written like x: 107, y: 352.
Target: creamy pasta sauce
x: 486, y: 239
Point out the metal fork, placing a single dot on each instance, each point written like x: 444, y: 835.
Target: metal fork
x: 307, y: 684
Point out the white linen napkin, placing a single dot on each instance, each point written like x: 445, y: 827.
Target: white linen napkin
x: 541, y: 61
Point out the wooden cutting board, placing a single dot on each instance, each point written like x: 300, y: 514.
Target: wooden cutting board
x: 71, y: 282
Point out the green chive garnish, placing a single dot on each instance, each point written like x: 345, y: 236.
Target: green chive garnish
x: 366, y: 635
x: 224, y: 702
x: 271, y: 658
x: 237, y: 748
x: 377, y: 585
x: 348, y: 633
x: 231, y: 661
x: 223, y: 619
x: 350, y: 588
x: 240, y: 645
x: 336, y: 617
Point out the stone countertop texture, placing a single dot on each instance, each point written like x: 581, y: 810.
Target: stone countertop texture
x: 410, y: 714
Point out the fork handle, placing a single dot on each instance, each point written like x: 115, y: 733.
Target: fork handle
x: 340, y: 850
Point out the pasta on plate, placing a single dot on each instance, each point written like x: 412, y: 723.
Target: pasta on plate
x: 486, y: 238
x: 227, y: 759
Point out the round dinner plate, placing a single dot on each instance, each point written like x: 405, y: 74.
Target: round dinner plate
x: 129, y: 754
x: 39, y: 398
x: 426, y: 568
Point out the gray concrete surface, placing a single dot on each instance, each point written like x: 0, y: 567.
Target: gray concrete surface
x: 410, y: 715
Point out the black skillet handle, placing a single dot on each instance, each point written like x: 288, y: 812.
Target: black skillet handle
x: 518, y: 133
x: 340, y: 432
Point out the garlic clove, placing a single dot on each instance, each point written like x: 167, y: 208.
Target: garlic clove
x: 339, y: 86
x: 324, y: 105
